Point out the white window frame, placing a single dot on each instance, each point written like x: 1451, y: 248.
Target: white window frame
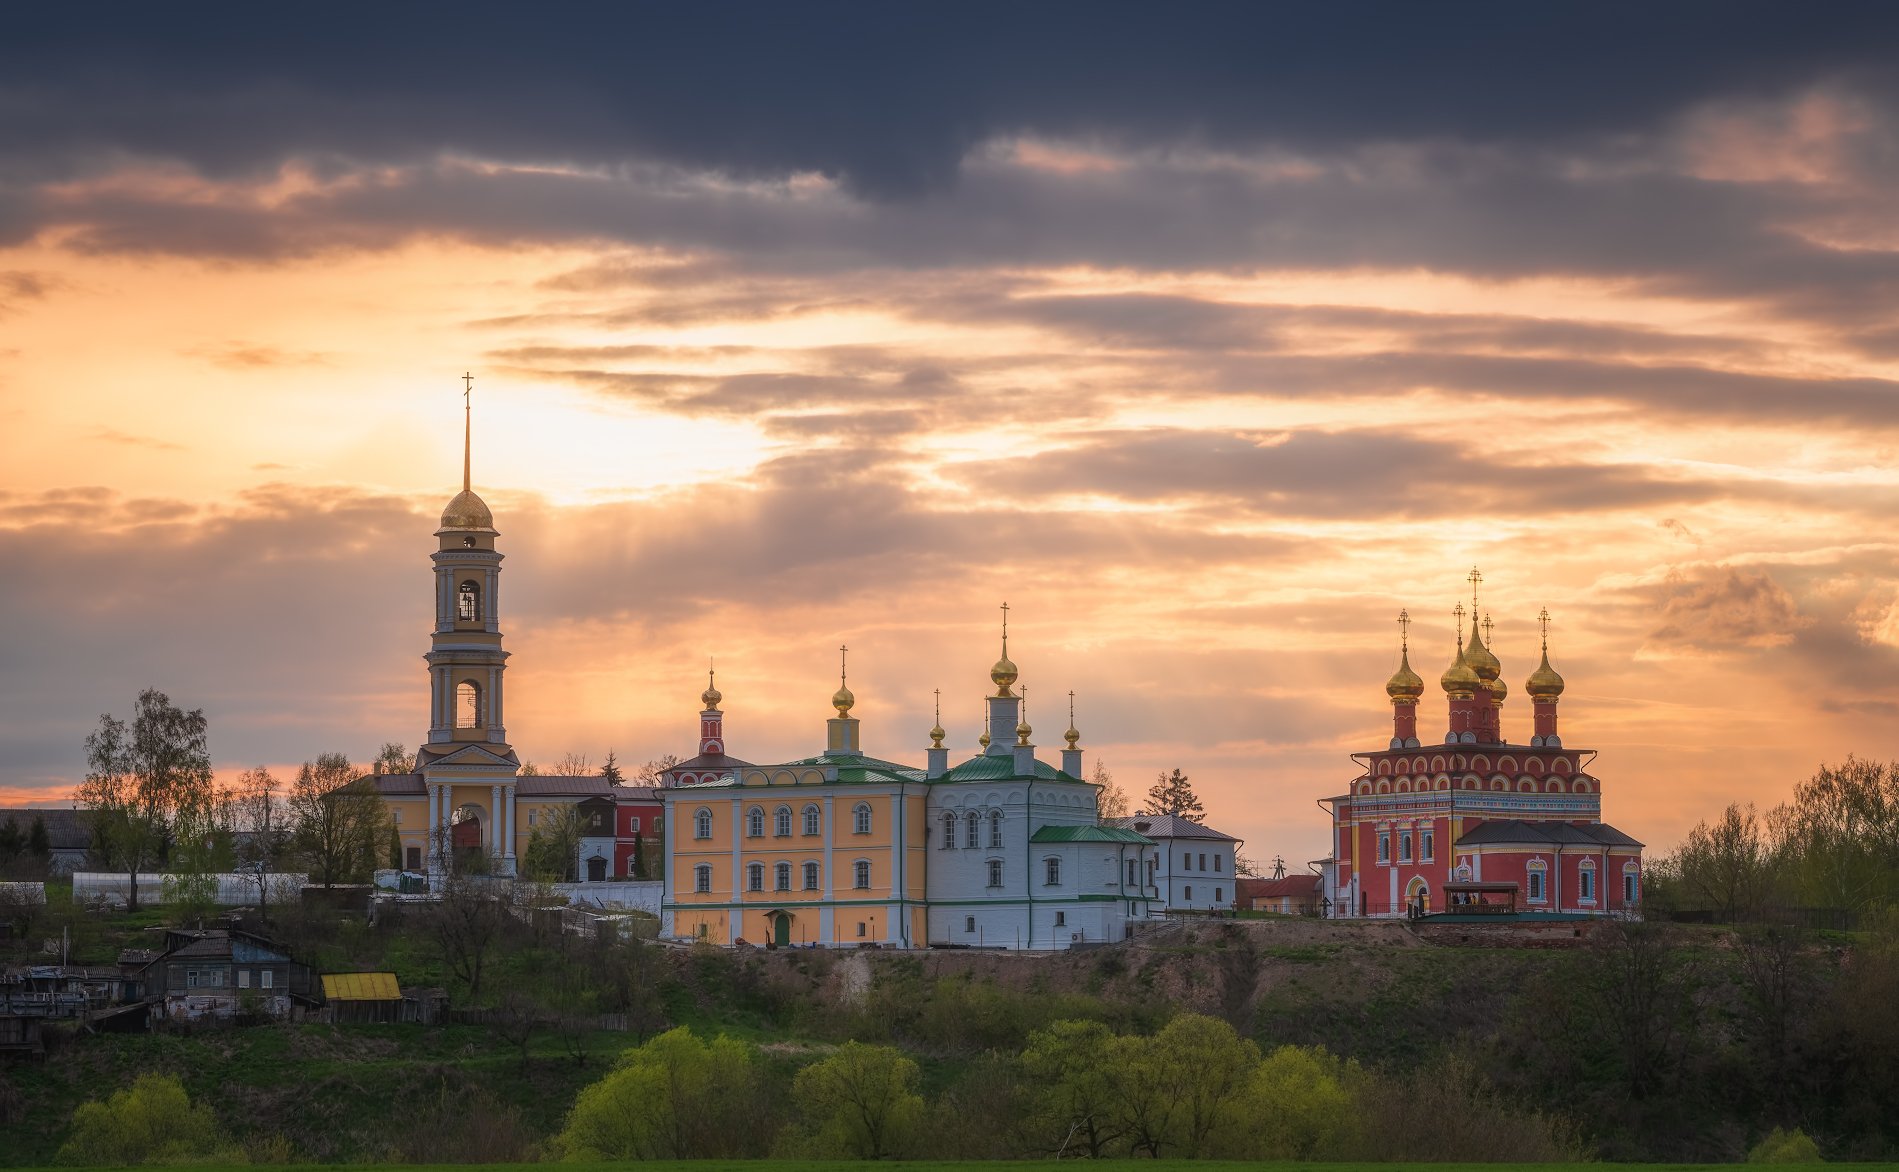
x: 972, y: 830
x: 860, y: 818
x: 781, y: 822
x: 702, y: 878
x: 995, y: 830
x: 754, y: 876
x: 1052, y: 871
x: 1384, y: 846
x: 266, y: 979
x: 755, y: 822
x: 860, y: 875
x: 243, y: 978
x: 813, y: 874
x: 994, y: 870
x: 781, y: 877
x: 813, y: 821
x: 702, y: 823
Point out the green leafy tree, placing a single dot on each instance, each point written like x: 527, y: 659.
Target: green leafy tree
x: 860, y: 1103
x: 142, y: 780
x: 1173, y: 794
x: 1112, y: 800
x: 1728, y: 867
x: 264, y: 823
x: 152, y: 1122
x: 341, y: 822
x: 1173, y: 1089
x: 204, y: 847
x: 676, y: 1097
x: 1296, y: 1106
x: 394, y: 758
x: 1842, y: 833
x: 1076, y: 1108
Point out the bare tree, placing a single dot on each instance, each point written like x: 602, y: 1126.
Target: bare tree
x: 142, y: 779
x: 466, y: 923
x: 571, y: 764
x: 265, y: 824
x: 1729, y: 866
x: 652, y: 773
x: 553, y: 850
x: 1641, y: 984
x: 341, y: 821
x: 1113, y: 800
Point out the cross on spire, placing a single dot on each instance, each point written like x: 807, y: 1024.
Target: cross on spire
x: 468, y: 427
x: 938, y: 693
x: 1475, y: 576
x: 1404, y: 630
x: 1487, y: 637
x: 843, y: 663
x: 1457, y: 612
x: 1543, y: 620
x: 1071, y: 708
x: 1005, y: 630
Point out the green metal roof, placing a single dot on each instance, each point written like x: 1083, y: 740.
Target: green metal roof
x: 860, y: 770
x: 999, y: 767
x: 1089, y: 834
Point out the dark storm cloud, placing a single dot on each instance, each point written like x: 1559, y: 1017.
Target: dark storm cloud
x: 1335, y: 475
x: 888, y: 96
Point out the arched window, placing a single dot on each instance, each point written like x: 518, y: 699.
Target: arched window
x: 949, y: 830
x: 972, y: 828
x: 755, y: 822
x: 810, y: 876
x: 781, y: 877
x: 860, y: 818
x: 1534, y: 873
x: 860, y: 874
x: 995, y: 830
x: 755, y: 877
x: 811, y: 820
x: 1586, y: 881
x: 702, y: 878
x: 468, y: 602
x: 702, y: 823
x: 468, y: 704
x: 1052, y: 871
x: 781, y: 822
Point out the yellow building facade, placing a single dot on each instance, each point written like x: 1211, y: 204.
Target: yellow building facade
x: 828, y: 850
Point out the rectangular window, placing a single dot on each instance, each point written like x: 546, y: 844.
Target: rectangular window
x: 702, y: 879
x: 1536, y: 886
x: 633, y: 825
x: 191, y: 978
x: 243, y: 978
x: 969, y: 923
x: 413, y: 857
x: 1203, y: 862
x: 1586, y: 884
x: 995, y: 872
x: 1189, y: 893
x: 1429, y: 850
x: 217, y: 978
x: 1134, y: 873
x: 1384, y: 846
x: 1186, y: 862
x: 1061, y: 919
x: 1628, y: 888
x: 533, y: 817
x: 1053, y: 872
x: 860, y: 927
x: 266, y: 979
x: 1218, y: 864
x: 755, y: 877
x: 810, y: 876
x: 1404, y: 846
x: 1219, y: 895
x: 862, y: 876
x: 395, y: 816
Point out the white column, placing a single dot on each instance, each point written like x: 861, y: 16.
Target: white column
x: 494, y: 822
x: 508, y: 842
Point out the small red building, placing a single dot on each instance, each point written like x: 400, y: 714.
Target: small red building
x: 1473, y: 819
x: 638, y: 829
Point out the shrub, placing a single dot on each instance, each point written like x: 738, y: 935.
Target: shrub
x: 674, y: 1098
x: 154, y: 1122
x: 1785, y: 1147
x: 860, y: 1103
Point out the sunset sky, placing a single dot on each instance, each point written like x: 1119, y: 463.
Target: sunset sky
x: 1206, y: 336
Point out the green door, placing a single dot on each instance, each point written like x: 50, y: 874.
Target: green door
x: 781, y: 929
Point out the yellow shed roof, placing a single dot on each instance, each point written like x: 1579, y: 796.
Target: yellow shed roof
x: 361, y: 987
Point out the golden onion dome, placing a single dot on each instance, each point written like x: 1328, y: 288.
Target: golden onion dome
x: 467, y: 511
x: 936, y: 736
x: 1002, y: 675
x: 1022, y: 732
x: 1459, y: 681
x: 1404, y: 683
x: 1073, y: 737
x: 1544, y: 683
x: 1480, y: 659
x: 1499, y: 690
x: 711, y: 697
x: 983, y: 740
x: 842, y: 700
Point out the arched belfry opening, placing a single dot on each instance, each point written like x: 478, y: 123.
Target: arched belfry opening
x: 468, y: 704
x: 468, y: 601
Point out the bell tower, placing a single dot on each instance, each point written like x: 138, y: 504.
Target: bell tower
x: 467, y: 764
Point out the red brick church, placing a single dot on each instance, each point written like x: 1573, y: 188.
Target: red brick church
x: 1469, y: 823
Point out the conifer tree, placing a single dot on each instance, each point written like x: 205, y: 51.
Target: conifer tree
x: 1173, y: 794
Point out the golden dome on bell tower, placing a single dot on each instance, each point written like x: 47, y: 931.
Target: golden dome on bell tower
x: 1405, y: 685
